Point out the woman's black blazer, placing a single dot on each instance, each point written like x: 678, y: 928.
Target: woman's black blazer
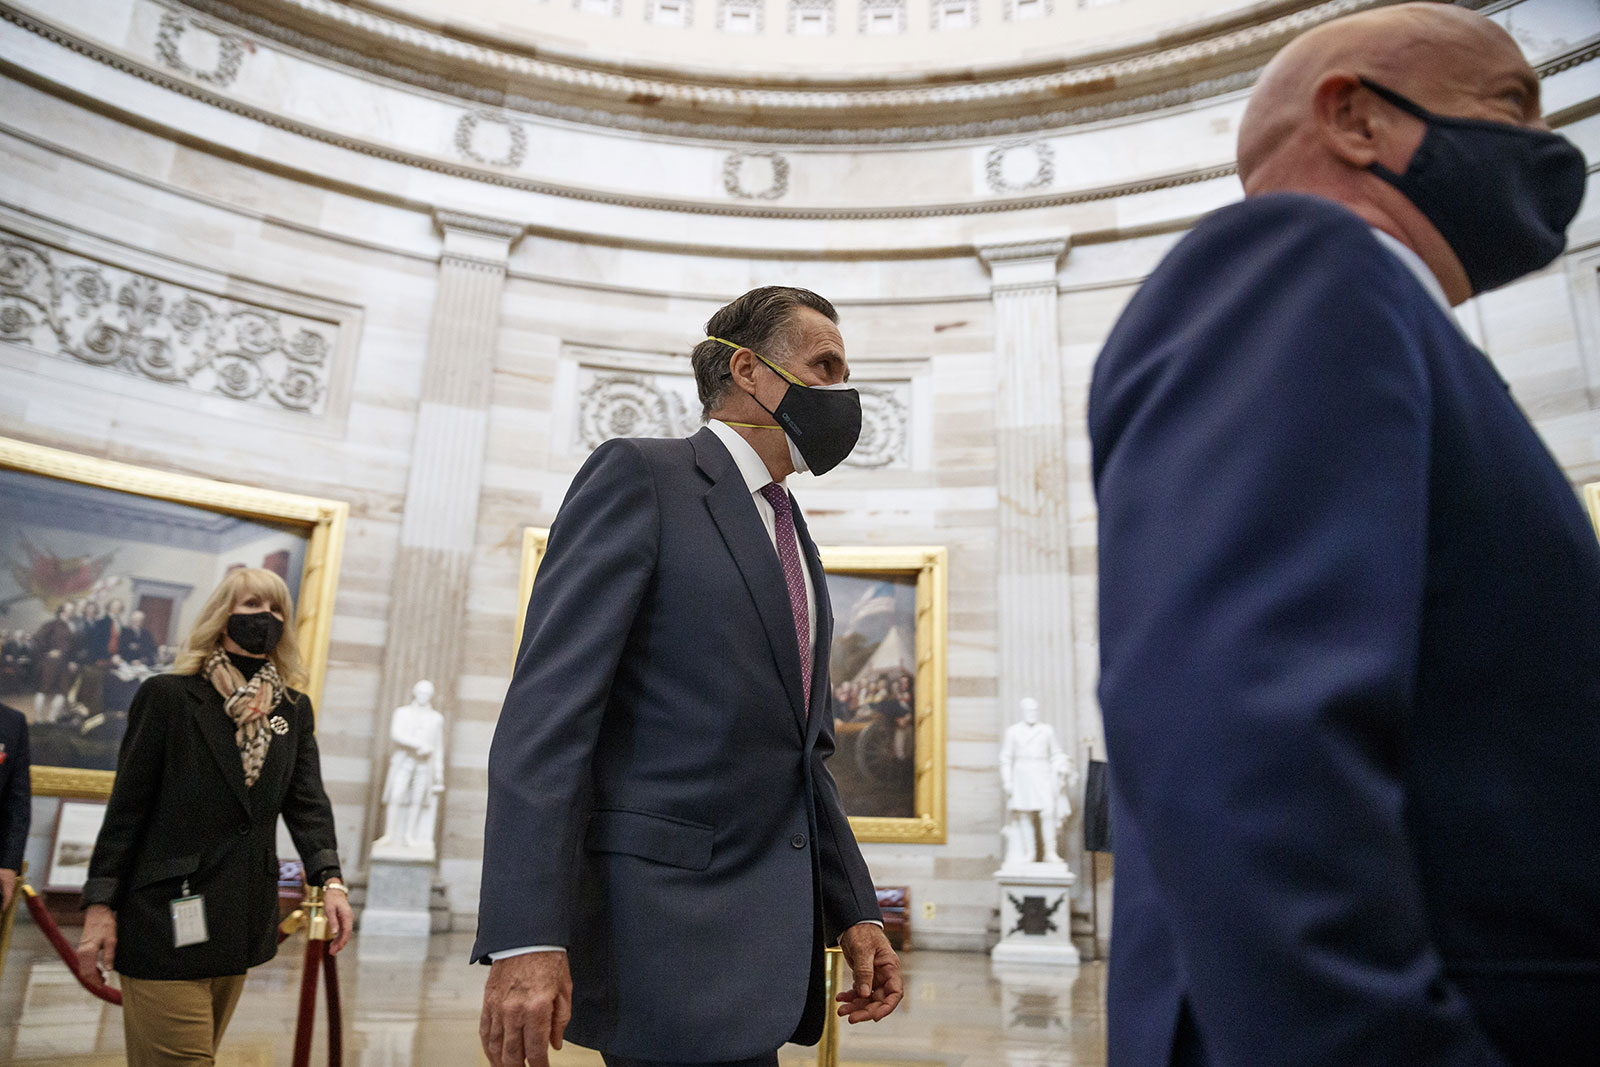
x: 180, y: 811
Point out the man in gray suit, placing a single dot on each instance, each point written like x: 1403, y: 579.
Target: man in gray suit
x: 665, y: 855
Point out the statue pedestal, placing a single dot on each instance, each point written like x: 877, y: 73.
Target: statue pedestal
x: 1035, y: 916
x: 398, y: 889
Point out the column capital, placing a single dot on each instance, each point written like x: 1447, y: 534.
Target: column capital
x: 477, y: 238
x: 1023, y: 261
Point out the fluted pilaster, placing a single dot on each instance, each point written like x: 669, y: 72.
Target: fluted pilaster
x: 427, y: 607
x: 1034, y: 631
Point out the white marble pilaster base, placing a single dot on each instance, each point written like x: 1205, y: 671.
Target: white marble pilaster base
x: 1035, y: 916
x: 398, y: 892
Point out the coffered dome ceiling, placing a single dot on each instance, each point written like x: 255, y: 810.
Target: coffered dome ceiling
x: 802, y: 70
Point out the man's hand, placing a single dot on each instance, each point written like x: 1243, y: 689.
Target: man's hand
x: 8, y: 886
x: 526, y: 1005
x: 97, y: 948
x: 876, y: 971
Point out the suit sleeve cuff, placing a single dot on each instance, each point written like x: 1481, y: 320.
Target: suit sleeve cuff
x: 99, y: 891
x: 507, y: 953
x: 324, y: 862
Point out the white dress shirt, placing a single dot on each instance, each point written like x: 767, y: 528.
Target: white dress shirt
x: 754, y: 471
x: 1418, y: 267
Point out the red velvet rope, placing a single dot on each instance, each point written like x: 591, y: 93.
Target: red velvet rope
x: 46, y: 922
x: 316, y: 953
x: 335, y: 1018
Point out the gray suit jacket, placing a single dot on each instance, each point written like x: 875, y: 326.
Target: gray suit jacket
x: 658, y: 800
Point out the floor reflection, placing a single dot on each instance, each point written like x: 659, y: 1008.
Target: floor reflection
x: 958, y: 1012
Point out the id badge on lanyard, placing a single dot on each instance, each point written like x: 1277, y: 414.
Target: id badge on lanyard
x: 189, y: 919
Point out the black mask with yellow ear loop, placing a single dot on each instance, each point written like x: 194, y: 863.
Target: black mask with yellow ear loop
x: 823, y: 422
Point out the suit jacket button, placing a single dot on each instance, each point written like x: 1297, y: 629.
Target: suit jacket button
x: 244, y: 829
x: 798, y: 840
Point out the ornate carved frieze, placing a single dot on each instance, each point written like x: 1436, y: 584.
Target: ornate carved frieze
x: 811, y: 18
x: 72, y: 307
x: 755, y: 175
x: 615, y: 403
x: 1018, y: 166
x: 881, y: 16
x: 670, y: 12
x: 181, y: 41
x: 1022, y: 10
x: 492, y: 139
x: 742, y: 16
x: 953, y: 14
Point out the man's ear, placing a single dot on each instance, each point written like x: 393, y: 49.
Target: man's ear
x: 742, y: 368
x: 1351, y: 121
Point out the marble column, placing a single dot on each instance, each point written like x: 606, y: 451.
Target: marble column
x: 427, y: 608
x: 1034, y: 631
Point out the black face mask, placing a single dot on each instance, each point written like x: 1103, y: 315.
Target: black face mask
x: 823, y: 422
x: 257, y: 632
x: 1501, y: 195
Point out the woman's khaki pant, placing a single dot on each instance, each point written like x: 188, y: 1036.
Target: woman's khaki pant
x: 177, y: 1024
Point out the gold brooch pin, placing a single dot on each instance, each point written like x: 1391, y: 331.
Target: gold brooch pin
x: 279, y: 724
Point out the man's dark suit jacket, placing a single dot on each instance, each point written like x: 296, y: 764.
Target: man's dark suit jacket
x: 181, y: 812
x: 97, y: 639
x: 16, y: 790
x: 658, y: 801
x: 1350, y: 671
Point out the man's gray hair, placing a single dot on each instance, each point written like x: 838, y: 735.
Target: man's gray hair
x: 760, y: 320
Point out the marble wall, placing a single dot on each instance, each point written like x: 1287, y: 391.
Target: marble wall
x: 985, y: 347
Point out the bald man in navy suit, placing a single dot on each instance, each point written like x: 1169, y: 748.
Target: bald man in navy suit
x: 1350, y: 604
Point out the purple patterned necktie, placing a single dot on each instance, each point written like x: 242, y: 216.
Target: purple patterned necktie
x: 789, y: 556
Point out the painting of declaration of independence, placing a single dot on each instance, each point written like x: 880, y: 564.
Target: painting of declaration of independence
x: 97, y: 589
x: 874, y: 675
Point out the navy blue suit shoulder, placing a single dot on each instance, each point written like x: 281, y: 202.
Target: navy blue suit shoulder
x: 1348, y: 605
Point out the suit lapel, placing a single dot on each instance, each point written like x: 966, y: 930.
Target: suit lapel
x: 820, y: 679
x: 730, y: 505
x: 217, y: 729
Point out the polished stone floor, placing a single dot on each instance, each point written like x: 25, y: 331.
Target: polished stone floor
x: 424, y: 1013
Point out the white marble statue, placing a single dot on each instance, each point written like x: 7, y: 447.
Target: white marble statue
x: 416, y: 778
x: 1035, y: 773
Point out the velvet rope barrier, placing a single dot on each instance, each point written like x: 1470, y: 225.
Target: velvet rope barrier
x: 317, y: 959
x: 46, y: 922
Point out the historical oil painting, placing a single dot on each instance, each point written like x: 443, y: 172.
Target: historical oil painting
x: 97, y: 589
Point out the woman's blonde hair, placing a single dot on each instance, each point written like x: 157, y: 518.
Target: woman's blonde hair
x: 207, y: 633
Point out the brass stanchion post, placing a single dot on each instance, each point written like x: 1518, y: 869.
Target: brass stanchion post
x: 316, y: 951
x: 9, y: 916
x: 828, y: 1047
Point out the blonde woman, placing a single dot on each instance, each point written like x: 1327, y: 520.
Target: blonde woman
x: 182, y: 892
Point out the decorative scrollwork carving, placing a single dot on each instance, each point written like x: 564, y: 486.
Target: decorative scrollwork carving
x: 733, y: 176
x: 633, y: 404
x: 884, y: 429
x: 629, y: 405
x: 994, y: 167
x: 516, y: 143
x: 230, y: 51
x: 73, y: 307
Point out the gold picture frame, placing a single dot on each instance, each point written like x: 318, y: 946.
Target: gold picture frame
x: 928, y: 568
x: 323, y: 522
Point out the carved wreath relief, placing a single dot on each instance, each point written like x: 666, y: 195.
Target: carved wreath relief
x: 169, y: 48
x: 77, y: 308
x: 620, y: 404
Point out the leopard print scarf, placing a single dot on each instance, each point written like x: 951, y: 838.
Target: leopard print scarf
x: 247, y: 704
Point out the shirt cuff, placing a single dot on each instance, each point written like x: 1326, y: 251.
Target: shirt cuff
x: 507, y: 953
x: 875, y: 922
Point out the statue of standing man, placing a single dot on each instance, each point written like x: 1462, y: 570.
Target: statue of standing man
x: 416, y: 777
x: 1035, y: 773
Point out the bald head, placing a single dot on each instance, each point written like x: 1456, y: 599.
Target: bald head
x: 1312, y: 127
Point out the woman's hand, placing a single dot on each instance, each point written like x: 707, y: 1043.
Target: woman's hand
x: 341, y: 920
x: 97, y: 949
